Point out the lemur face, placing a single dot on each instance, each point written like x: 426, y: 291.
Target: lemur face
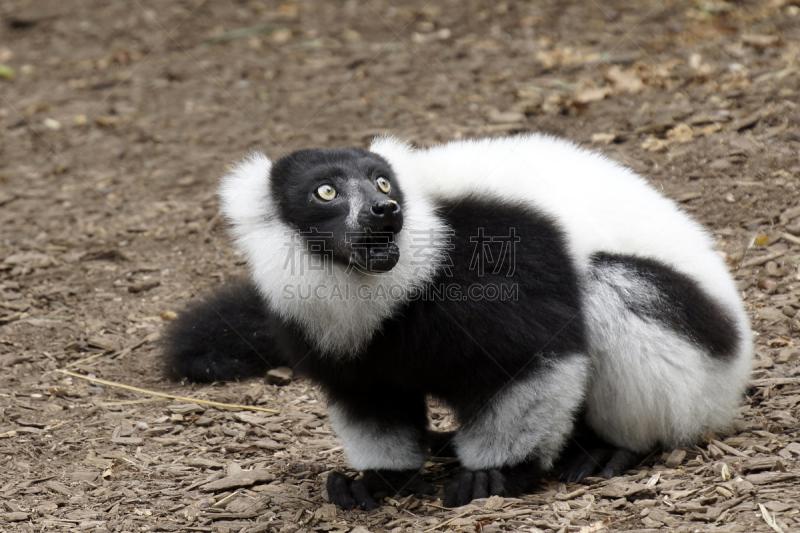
x: 347, y: 199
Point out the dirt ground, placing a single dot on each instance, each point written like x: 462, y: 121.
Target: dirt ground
x: 117, y: 118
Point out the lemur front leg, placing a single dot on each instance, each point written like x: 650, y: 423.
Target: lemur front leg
x: 519, y: 433
x: 384, y: 435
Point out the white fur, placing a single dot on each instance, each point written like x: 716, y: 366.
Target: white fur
x: 530, y: 418
x: 371, y: 446
x: 651, y: 384
x: 336, y: 326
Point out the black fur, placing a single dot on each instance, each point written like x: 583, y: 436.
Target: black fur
x: 226, y: 336
x: 681, y: 304
x: 434, y: 346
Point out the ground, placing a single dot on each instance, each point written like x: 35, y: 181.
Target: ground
x: 117, y: 118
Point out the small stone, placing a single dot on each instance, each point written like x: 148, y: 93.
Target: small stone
x: 766, y: 283
x: 789, y: 311
x: 282, y: 375
x: 18, y: 516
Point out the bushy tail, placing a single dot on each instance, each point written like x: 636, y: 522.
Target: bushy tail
x: 222, y: 337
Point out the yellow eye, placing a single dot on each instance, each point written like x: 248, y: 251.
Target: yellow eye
x: 326, y: 193
x: 383, y: 185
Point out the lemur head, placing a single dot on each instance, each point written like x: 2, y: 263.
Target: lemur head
x: 347, y: 199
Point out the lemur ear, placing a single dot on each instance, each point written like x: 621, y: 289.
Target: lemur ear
x: 243, y: 193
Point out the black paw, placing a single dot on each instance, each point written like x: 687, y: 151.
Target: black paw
x: 365, y: 491
x: 506, y: 481
x: 606, y: 461
x: 472, y: 484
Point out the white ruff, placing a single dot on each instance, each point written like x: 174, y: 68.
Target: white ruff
x: 345, y: 309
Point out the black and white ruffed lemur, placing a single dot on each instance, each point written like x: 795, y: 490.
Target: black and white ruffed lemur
x: 619, y: 316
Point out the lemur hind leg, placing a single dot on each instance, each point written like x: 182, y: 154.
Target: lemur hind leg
x: 383, y: 433
x: 588, y: 454
x: 519, y: 433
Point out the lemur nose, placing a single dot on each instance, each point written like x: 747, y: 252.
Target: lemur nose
x: 385, y: 208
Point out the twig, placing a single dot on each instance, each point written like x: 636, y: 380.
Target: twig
x: 758, y: 261
x: 164, y: 395
x: 789, y: 237
x: 86, y: 359
x: 118, y: 354
x: 226, y: 499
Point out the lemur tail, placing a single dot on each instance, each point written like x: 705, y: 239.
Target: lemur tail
x: 224, y: 336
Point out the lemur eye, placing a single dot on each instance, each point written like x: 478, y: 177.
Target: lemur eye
x: 326, y: 193
x: 383, y: 185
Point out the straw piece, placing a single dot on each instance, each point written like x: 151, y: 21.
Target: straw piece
x: 163, y: 395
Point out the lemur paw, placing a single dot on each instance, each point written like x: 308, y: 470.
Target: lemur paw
x: 472, y: 484
x: 364, y: 492
x: 607, y: 461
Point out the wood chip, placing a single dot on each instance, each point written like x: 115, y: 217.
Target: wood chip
x: 729, y: 449
x: 624, y: 489
x: 244, y: 479
x: 687, y: 196
x: 570, y: 495
x: 763, y: 463
x: 675, y: 459
x: 767, y: 478
x: 18, y: 516
x: 55, y: 486
x: 282, y: 375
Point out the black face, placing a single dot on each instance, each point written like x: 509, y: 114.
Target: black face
x: 345, y: 202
